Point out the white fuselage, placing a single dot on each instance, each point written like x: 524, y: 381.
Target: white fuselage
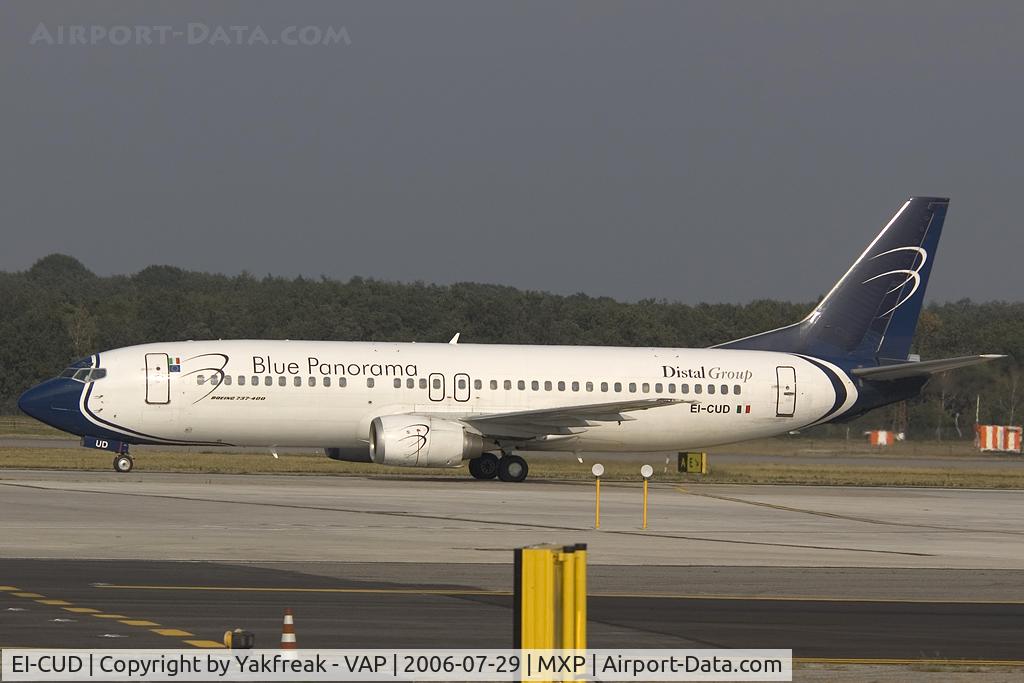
x: 325, y: 394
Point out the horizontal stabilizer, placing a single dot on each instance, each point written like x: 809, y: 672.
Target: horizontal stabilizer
x: 922, y: 368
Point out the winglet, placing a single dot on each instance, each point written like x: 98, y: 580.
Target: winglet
x: 455, y: 339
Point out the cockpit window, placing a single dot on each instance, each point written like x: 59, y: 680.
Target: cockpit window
x: 85, y: 374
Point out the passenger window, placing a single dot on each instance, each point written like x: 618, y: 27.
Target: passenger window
x: 697, y: 388
x: 618, y: 386
x: 343, y: 381
x: 711, y: 388
x: 369, y: 382
x: 508, y: 385
x: 547, y: 386
x: 398, y: 383
x: 684, y: 388
x: 494, y: 384
x: 410, y: 383
x: 241, y: 380
x: 604, y: 386
x: 215, y: 380
x: 671, y: 388
x: 297, y: 381
x: 478, y: 384
x: 632, y: 387
x: 645, y: 387
x: 227, y: 380
x: 535, y: 385
x: 736, y: 389
x: 575, y: 386
x: 312, y: 381
x: 657, y: 388
x: 462, y: 384
x: 200, y: 380
x: 268, y: 381
x: 521, y: 384
x: 724, y: 389
x: 327, y: 381
x: 561, y: 386
x: 423, y: 383
x: 590, y: 386
x: 436, y: 383
x: 282, y: 381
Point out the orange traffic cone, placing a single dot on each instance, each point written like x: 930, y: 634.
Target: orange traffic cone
x: 288, y: 631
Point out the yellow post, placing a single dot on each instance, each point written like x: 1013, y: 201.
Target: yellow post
x: 567, y: 616
x: 550, y: 608
x: 580, y: 603
x: 646, y: 471
x: 645, y: 505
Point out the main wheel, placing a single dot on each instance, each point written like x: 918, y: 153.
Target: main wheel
x: 123, y: 463
x: 484, y: 467
x: 512, y: 468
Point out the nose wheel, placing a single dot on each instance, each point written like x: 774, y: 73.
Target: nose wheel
x: 123, y: 463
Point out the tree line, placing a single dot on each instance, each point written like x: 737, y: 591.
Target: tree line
x: 58, y: 311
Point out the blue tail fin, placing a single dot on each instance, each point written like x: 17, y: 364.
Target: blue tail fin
x: 871, y: 313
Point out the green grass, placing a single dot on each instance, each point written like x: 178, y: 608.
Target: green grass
x: 547, y: 467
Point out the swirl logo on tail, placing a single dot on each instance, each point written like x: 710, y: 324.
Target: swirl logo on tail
x: 912, y: 275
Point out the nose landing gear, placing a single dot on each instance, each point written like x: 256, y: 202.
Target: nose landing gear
x: 123, y: 463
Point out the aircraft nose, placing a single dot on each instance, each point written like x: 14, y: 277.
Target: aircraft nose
x: 51, y: 401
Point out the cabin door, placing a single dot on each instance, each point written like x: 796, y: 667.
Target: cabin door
x: 158, y: 384
x: 785, y: 398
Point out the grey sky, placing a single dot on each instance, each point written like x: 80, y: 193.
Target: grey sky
x: 717, y: 151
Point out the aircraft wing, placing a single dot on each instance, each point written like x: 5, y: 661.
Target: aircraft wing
x: 562, y: 420
x: 922, y: 368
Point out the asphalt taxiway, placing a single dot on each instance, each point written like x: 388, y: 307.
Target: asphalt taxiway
x: 94, y: 558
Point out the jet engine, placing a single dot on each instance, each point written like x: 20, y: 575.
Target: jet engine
x: 415, y: 441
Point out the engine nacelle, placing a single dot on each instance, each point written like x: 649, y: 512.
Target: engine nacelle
x: 414, y: 441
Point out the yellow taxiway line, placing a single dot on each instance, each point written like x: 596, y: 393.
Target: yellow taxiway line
x: 455, y: 592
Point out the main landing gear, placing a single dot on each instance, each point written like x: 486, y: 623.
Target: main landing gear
x: 123, y: 462
x: 507, y: 468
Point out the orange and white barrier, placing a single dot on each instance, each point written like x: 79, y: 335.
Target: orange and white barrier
x: 288, y: 631
x: 881, y: 438
x: 998, y: 438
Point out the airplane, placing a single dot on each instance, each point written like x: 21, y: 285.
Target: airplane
x: 438, y: 405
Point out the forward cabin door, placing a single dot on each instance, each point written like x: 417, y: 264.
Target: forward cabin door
x: 158, y: 384
x: 785, y: 400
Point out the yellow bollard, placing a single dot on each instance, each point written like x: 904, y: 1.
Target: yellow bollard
x: 550, y: 603
x: 646, y: 471
x: 645, y: 505
x: 597, y: 470
x: 567, y: 559
x: 580, y: 603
